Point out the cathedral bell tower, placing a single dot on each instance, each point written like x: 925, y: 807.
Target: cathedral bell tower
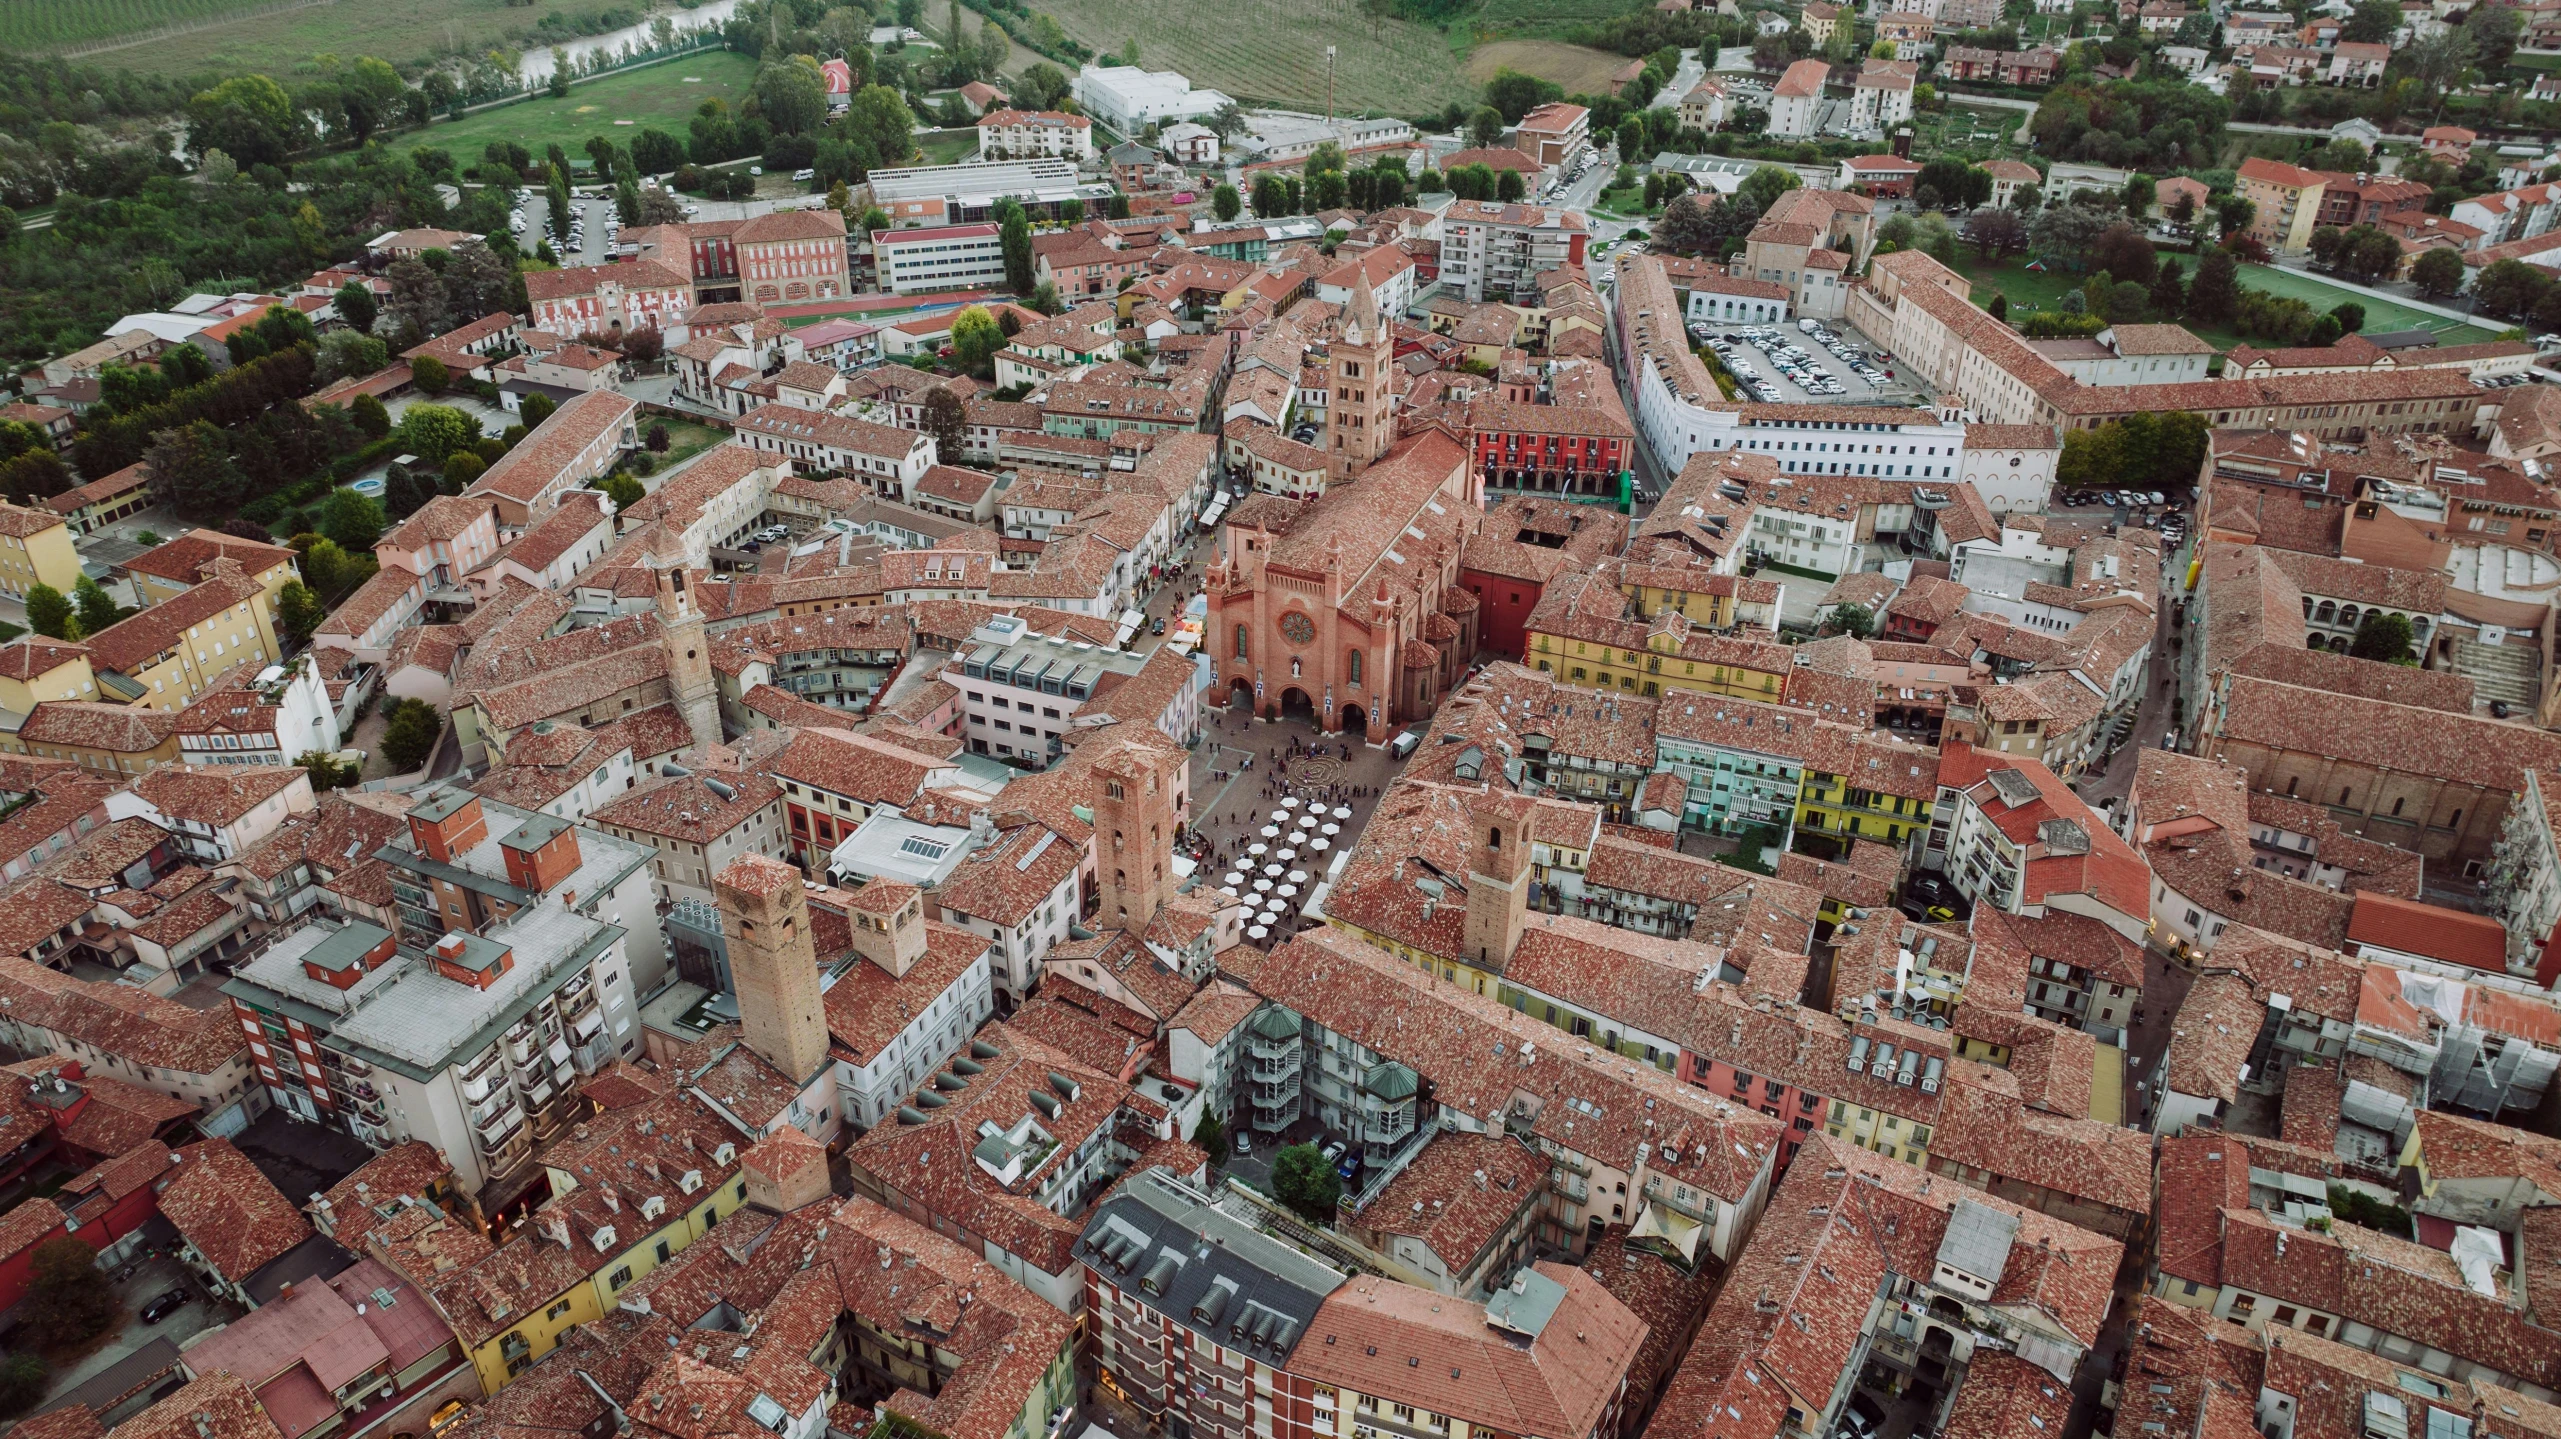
x: 1358, y: 408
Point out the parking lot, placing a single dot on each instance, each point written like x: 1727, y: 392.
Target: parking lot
x: 1784, y: 365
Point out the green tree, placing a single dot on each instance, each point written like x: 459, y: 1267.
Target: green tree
x: 1014, y: 232
x: 1304, y: 1182
x: 791, y: 95
x: 430, y: 375
x: 97, y: 608
x: 48, y: 613
x: 432, y: 432
x: 348, y: 353
x: 192, y: 466
x: 2350, y: 315
x: 2383, y: 636
x: 355, y: 304
x: 1225, y: 203
x: 372, y: 419
x: 249, y: 118
x: 534, y: 409
x: 2214, y: 296
x: 623, y: 490
x: 2372, y: 23
x: 1516, y: 94
x: 1854, y: 620
x: 1211, y: 1137
x: 68, y: 1298
x: 1764, y: 185
x: 880, y: 127
x: 946, y: 420
x: 461, y: 468
x: 411, y: 735
x: 351, y: 519
x: 299, y: 611
x: 1509, y: 186
x: 23, y: 1381
x: 1484, y: 127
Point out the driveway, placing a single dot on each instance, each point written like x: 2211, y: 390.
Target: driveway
x: 137, y: 1353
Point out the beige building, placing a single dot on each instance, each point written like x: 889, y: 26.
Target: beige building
x: 35, y: 549
x: 2288, y: 198
x: 1796, y: 102
x: 174, y: 567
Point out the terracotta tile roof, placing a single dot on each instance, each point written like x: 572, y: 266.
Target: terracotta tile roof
x: 542, y: 285
x: 1450, y: 1036
x: 131, y: 644
x: 1458, y: 1196
x: 216, y: 1406
x: 216, y: 795
x: 135, y: 1026
x: 228, y: 1211
x: 930, y: 1164
x: 2433, y: 931
x: 1443, y: 1354
x: 542, y: 457
x: 188, y: 559
x: 2006, y: 1397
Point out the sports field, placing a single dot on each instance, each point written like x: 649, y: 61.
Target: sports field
x: 662, y: 97
x: 1273, y: 51
x: 1580, y: 70
x: 2380, y: 315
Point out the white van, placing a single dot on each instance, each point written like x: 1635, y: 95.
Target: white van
x: 1405, y: 744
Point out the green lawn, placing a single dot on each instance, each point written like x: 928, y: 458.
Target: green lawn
x: 685, y: 439
x: 944, y: 147
x: 661, y: 97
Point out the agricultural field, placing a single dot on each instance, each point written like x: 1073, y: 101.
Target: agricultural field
x: 662, y: 96
x: 1516, y: 17
x: 1273, y: 51
x: 1580, y: 70
x: 191, y: 37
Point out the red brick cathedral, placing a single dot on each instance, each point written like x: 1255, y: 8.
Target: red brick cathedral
x: 1346, y: 609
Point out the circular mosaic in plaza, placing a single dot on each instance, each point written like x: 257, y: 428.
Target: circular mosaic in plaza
x: 1320, y: 769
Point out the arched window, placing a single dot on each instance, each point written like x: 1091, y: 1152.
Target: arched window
x: 1494, y: 837
x: 1354, y: 668
x: 1240, y: 642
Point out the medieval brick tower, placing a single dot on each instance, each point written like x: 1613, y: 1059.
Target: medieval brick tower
x: 1497, y: 877
x: 1134, y: 823
x: 1358, y: 406
x: 773, y: 964
x: 688, y: 657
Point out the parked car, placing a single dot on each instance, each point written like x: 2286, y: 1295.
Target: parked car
x: 1244, y: 1142
x: 1158, y: 627
x: 804, y: 176
x: 164, y: 1306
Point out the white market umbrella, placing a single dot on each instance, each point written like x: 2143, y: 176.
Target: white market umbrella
x: 1273, y: 870
x: 1271, y: 831
x: 1288, y: 891
x: 1262, y: 885
x: 1286, y: 855
x: 1290, y: 803
x: 1235, y: 879
x: 1258, y: 850
x: 1331, y: 830
x: 1320, y: 844
x: 1257, y: 932
x: 1298, y: 876
x: 1298, y: 836
x: 1343, y: 812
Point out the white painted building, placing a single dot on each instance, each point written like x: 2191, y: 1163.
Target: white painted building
x: 1127, y: 100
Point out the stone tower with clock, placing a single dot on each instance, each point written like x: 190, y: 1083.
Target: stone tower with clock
x: 1358, y: 407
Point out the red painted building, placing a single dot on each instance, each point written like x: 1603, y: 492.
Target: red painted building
x: 1550, y: 449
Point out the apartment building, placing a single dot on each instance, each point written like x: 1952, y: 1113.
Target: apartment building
x: 514, y: 973
x: 2288, y: 198
x: 1496, y: 251
x: 1796, y: 101
x: 35, y: 549
x: 1013, y: 134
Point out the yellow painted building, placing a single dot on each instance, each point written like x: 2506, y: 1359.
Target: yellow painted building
x: 173, y: 651
x: 1891, y: 1135
x: 1667, y: 662
x: 34, y: 669
x: 627, y: 1196
x: 169, y: 570
x: 1872, y: 791
x: 35, y: 549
